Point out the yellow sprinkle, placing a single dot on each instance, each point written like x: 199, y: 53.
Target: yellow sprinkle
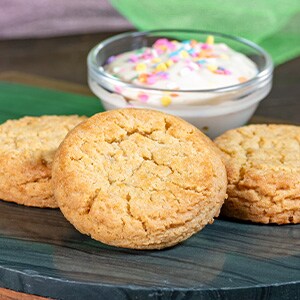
x: 224, y: 56
x: 212, y: 68
x: 163, y: 47
x: 210, y: 40
x: 161, y: 67
x: 184, y: 54
x: 242, y: 79
x: 156, y: 60
x: 169, y: 62
x: 165, y: 101
x: 202, y: 54
x: 140, y: 67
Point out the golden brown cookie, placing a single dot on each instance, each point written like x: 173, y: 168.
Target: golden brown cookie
x: 263, y: 169
x: 26, y: 153
x: 138, y: 179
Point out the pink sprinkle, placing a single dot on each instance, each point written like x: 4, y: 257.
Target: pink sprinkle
x: 118, y: 89
x: 143, y: 97
x: 159, y: 51
x: 205, y: 47
x: 151, y: 80
x: 171, y: 46
x: 227, y: 72
x: 219, y: 72
x: 147, y: 56
x: 133, y: 58
x: 160, y: 42
x: 175, y: 59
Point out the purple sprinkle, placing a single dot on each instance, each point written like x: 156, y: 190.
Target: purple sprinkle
x: 111, y: 59
x: 164, y: 75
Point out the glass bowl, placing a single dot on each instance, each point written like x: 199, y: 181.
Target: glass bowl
x: 211, y: 110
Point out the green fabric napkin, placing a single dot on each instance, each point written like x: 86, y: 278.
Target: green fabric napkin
x: 273, y: 24
x: 17, y: 100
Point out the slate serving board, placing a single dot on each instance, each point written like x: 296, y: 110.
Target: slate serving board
x: 42, y: 254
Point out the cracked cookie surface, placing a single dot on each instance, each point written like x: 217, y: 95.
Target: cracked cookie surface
x: 27, y: 150
x: 263, y: 169
x: 138, y: 179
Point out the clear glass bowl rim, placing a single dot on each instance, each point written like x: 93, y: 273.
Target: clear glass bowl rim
x: 261, y: 76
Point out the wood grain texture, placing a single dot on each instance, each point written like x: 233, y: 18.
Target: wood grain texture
x: 64, y: 58
x: 6, y: 294
x: 44, y: 82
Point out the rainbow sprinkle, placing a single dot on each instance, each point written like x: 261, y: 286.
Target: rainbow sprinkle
x: 173, y: 65
x: 152, y: 68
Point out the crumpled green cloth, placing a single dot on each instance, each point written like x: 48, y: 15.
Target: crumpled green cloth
x: 273, y: 24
